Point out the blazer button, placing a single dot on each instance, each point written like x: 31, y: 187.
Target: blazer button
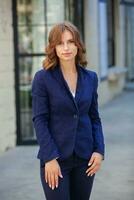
x: 75, y: 116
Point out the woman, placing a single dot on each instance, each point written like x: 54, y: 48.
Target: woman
x: 66, y: 118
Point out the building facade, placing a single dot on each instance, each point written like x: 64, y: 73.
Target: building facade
x: 24, y: 29
x: 129, y: 32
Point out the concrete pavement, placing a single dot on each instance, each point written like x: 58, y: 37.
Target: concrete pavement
x: 19, y: 168
x: 115, y: 181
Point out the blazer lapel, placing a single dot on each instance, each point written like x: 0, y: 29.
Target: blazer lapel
x: 57, y: 73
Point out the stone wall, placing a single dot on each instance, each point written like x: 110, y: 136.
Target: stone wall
x: 7, y: 84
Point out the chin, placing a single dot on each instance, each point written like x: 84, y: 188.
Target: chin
x: 68, y: 59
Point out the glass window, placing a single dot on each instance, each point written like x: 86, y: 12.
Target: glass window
x: 28, y: 67
x: 103, y: 39
x: 28, y: 42
x: 30, y: 12
x: 55, y: 12
x: 111, y: 33
x: 127, y: 1
x: 32, y: 25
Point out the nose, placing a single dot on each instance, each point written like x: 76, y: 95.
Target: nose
x: 65, y: 46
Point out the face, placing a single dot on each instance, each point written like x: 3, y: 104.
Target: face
x: 66, y: 50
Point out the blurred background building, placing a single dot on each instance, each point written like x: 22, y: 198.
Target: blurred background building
x: 107, y: 28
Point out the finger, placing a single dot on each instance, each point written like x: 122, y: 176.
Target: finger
x: 56, y: 180
x: 49, y: 180
x: 46, y: 177
x: 93, y: 171
x: 91, y: 160
x: 90, y: 168
x: 96, y: 164
x: 52, y: 181
x: 91, y: 174
x: 60, y: 174
x: 93, y: 166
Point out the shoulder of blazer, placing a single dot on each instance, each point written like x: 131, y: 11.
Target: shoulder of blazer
x: 40, y: 79
x: 90, y: 73
x: 41, y: 75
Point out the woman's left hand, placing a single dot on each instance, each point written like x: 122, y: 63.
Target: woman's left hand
x: 94, y: 163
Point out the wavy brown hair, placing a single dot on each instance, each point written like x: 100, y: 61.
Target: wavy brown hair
x: 54, y: 39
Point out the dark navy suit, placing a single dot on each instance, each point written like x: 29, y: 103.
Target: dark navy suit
x: 65, y: 124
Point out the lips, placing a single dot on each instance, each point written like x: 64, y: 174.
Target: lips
x: 66, y: 54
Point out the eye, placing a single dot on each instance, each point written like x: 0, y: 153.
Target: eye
x: 59, y: 43
x: 71, y: 41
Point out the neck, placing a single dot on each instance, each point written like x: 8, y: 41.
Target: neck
x: 68, y: 67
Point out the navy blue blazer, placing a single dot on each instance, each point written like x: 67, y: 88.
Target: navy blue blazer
x: 63, y: 123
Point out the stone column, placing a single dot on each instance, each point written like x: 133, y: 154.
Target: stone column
x: 7, y: 84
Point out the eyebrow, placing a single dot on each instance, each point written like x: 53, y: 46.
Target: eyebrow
x: 70, y: 39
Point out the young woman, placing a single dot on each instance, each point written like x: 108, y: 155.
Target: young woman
x: 66, y: 118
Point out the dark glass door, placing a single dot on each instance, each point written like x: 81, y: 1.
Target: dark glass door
x: 32, y: 21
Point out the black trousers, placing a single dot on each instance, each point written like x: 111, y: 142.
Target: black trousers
x: 75, y: 184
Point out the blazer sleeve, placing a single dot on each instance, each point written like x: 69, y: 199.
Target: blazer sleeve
x: 96, y: 121
x: 40, y: 108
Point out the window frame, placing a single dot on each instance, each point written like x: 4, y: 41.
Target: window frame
x: 17, y: 55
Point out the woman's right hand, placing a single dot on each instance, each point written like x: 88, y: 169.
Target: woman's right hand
x: 52, y: 171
